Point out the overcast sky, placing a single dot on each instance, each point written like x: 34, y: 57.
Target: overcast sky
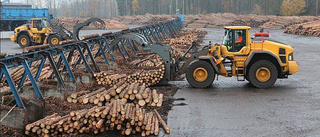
x: 18, y: 1
x: 30, y: 2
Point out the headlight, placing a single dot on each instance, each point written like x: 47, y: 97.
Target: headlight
x: 290, y: 57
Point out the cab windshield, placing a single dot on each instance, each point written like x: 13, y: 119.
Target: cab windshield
x: 227, y: 39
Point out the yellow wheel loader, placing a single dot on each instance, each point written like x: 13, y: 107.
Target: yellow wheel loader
x: 38, y: 32
x: 258, y: 60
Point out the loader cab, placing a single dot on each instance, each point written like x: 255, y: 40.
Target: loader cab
x: 39, y: 24
x: 235, y: 40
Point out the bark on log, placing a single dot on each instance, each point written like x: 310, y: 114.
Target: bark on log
x: 164, y: 125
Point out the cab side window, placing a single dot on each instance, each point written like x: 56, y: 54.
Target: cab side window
x: 240, y: 40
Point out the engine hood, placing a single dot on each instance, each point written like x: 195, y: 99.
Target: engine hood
x: 274, y: 44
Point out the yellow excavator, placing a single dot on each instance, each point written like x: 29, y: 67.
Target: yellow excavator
x: 259, y: 60
x: 38, y: 32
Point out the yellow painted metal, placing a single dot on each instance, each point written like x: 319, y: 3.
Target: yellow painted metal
x: 237, y: 27
x: 55, y: 41
x: 200, y: 74
x: 263, y: 74
x: 293, y: 67
x: 13, y: 38
x: 24, y: 41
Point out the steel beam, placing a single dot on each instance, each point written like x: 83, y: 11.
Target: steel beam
x: 5, y: 71
x: 31, y: 78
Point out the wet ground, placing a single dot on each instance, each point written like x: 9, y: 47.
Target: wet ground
x: 232, y: 108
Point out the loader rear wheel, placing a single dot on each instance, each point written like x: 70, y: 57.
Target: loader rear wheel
x: 23, y: 41
x: 54, y: 40
x: 200, y: 74
x: 263, y: 74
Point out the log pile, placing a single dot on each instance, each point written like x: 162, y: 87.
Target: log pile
x: 5, y: 90
x: 138, y: 94
x: 182, y: 43
x: 217, y: 20
x: 281, y: 22
x: 127, y: 118
x: 146, y: 77
x: 194, y: 31
x: 224, y: 19
x: 143, y: 19
x: 69, y: 22
x: 308, y: 29
x: 150, y: 61
x: 17, y: 73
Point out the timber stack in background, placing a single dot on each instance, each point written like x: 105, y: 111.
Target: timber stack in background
x: 69, y: 22
x: 218, y: 20
x: 214, y: 20
x: 307, y: 28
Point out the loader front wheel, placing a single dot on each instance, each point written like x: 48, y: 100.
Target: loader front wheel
x: 200, y: 74
x: 54, y: 40
x: 24, y: 41
x: 263, y: 74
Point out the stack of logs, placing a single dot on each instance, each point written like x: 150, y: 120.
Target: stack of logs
x: 147, y: 77
x: 17, y: 72
x: 308, y: 29
x: 194, y: 31
x: 148, y: 61
x: 133, y: 92
x: 4, y: 90
x: 180, y: 44
x: 117, y: 115
x: 184, y: 41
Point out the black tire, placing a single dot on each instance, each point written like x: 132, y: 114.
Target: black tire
x: 51, y: 37
x: 252, y: 77
x: 247, y: 78
x: 200, y: 64
x: 24, y: 41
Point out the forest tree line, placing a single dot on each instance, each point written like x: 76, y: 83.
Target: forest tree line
x: 112, y: 8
